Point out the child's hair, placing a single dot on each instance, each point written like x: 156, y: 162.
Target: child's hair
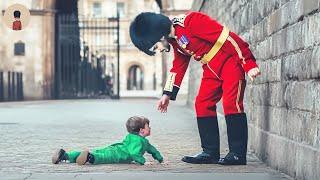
x: 135, y: 123
x: 16, y: 14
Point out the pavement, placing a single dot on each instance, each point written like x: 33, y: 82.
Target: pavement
x: 135, y: 94
x: 31, y: 131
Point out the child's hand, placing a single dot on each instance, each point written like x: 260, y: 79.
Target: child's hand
x: 163, y: 103
x: 253, y: 73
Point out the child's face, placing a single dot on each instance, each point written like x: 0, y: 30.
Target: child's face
x: 146, y: 131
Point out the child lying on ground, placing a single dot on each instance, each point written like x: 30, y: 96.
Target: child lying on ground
x: 130, y: 150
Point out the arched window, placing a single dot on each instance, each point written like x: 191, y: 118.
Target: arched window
x: 135, y: 78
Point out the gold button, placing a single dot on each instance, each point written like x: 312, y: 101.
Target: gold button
x: 183, y: 46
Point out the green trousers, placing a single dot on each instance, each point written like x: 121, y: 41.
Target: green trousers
x: 104, y: 155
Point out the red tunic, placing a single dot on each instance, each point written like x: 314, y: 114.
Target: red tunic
x: 199, y: 33
x: 16, y: 25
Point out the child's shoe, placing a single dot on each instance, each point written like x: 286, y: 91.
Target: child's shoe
x: 84, y: 157
x: 58, y: 156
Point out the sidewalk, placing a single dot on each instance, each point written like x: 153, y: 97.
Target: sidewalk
x: 31, y: 131
x: 146, y: 175
x: 140, y: 94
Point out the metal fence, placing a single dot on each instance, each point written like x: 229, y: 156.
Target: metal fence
x: 11, y: 86
x: 87, y: 50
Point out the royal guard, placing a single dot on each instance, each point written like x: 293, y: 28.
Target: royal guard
x: 225, y: 58
x: 16, y: 25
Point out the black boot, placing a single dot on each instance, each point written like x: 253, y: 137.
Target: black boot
x: 59, y: 155
x: 237, y: 130
x: 210, y: 142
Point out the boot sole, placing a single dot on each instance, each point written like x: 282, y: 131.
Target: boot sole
x: 239, y: 164
x: 232, y: 163
x: 199, y: 162
x: 55, y: 157
x: 82, y: 159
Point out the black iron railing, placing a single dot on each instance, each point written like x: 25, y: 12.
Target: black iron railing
x: 87, y: 51
x: 11, y: 86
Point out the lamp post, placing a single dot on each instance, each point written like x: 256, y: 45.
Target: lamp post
x: 117, y: 28
x: 118, y: 56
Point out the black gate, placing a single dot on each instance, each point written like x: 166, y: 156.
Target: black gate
x: 87, y: 52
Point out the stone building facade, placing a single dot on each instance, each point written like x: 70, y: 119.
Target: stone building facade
x: 38, y: 38
x: 137, y: 70
x: 282, y: 104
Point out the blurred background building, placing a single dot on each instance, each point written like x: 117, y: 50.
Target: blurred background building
x: 139, y: 73
x: 70, y: 50
x: 35, y: 60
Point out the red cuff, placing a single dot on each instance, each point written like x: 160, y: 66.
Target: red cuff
x: 250, y: 64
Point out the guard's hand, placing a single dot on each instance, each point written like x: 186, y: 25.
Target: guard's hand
x: 163, y: 103
x: 253, y: 73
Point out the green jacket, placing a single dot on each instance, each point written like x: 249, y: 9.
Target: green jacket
x: 131, y: 149
x: 136, y: 146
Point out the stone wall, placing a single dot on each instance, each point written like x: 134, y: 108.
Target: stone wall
x: 283, y: 104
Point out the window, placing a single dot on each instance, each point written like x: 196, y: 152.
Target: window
x: 120, y: 9
x: 98, y: 40
x: 135, y: 78
x: 97, y: 9
x: 122, y: 37
x: 19, y: 49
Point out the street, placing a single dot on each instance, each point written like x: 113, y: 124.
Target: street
x: 31, y: 131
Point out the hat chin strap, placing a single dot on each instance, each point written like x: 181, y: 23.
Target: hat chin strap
x: 166, y: 45
x: 168, y: 48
